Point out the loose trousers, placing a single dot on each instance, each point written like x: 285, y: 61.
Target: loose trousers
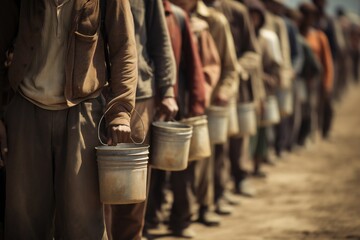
x: 52, y: 188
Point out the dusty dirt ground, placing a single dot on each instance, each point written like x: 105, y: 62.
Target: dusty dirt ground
x: 311, y: 194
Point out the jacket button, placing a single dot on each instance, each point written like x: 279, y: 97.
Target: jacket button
x: 32, y: 48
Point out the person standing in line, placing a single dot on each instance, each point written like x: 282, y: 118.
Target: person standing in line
x: 58, y: 74
x: 155, y: 95
x: 191, y: 99
x: 251, y: 84
x: 228, y: 83
x: 322, y: 50
x: 271, y: 55
x: 308, y: 78
x: 276, y: 24
x: 326, y: 24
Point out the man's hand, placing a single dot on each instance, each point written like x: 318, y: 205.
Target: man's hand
x: 168, y: 109
x: 3, y: 144
x: 221, y: 99
x: 118, y: 134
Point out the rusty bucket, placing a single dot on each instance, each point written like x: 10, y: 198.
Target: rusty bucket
x: 247, y: 119
x: 170, y: 145
x: 122, y: 173
x: 200, y: 141
x: 271, y: 114
x: 233, y: 125
x: 286, y: 101
x: 218, y: 124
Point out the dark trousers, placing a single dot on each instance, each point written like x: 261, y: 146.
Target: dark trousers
x: 294, y: 124
x: 156, y: 197
x: 219, y: 171
x: 325, y: 115
x: 181, y: 184
x: 281, y: 135
x: 52, y: 167
x: 305, y: 130
x: 238, y: 172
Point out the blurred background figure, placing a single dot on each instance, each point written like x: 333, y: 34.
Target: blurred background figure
x: 321, y: 48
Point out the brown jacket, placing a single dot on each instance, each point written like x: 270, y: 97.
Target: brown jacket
x: 247, y: 49
x: 85, y: 68
x: 220, y: 30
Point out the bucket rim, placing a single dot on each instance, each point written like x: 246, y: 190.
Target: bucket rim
x: 175, y: 126
x: 131, y: 146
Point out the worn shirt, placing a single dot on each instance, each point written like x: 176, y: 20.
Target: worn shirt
x: 22, y: 25
x: 220, y: 30
x: 44, y: 82
x: 190, y: 87
x: 321, y: 48
x: 277, y: 24
x: 296, y: 54
x: 157, y: 67
x: 246, y: 46
x: 272, y: 58
x: 209, y: 55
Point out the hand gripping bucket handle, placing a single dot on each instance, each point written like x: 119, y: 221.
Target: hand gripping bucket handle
x: 102, y: 118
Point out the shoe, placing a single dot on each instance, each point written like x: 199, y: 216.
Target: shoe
x: 259, y: 174
x: 231, y: 199
x: 222, y: 208
x: 152, y: 225
x: 245, y: 189
x: 269, y: 161
x: 209, y: 219
x: 184, y: 233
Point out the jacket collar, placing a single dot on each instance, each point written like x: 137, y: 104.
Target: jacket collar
x: 167, y: 7
x: 202, y: 9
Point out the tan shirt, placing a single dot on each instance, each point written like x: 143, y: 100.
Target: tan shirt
x: 277, y: 25
x: 272, y: 58
x: 220, y: 31
x: 44, y: 83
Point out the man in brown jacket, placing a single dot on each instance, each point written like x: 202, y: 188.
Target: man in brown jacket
x: 223, y: 91
x: 58, y: 73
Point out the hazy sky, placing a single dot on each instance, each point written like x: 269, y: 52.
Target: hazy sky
x: 350, y: 5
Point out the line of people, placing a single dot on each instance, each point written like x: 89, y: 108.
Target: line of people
x: 67, y: 60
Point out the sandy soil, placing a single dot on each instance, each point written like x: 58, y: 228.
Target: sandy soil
x: 313, y: 193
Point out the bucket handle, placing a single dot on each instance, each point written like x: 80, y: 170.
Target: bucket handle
x: 102, y: 118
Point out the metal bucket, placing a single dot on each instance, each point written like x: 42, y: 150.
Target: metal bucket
x: 170, y: 145
x: 271, y: 115
x: 122, y: 173
x: 200, y: 141
x: 218, y: 124
x: 247, y: 119
x: 285, y: 100
x: 233, y: 128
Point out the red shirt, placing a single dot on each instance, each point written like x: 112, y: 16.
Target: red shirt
x: 191, y: 79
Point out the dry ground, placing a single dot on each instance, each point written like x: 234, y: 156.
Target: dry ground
x: 311, y: 194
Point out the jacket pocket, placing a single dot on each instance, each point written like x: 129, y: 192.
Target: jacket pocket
x: 89, y: 19
x: 88, y: 69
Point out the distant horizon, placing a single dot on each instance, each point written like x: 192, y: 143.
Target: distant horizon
x: 348, y: 5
